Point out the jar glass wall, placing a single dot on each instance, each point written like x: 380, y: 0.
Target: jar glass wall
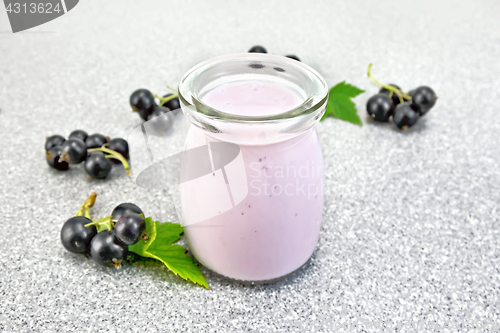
x: 256, y: 216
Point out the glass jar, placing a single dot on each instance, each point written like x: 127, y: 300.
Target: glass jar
x: 256, y: 216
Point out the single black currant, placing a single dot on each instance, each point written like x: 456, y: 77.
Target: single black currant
x: 54, y: 140
x: 257, y: 49
x: 79, y: 134
x: 256, y: 65
x: 97, y: 165
x: 173, y: 104
x: 129, y: 228
x: 143, y: 101
x: 96, y: 140
x: 162, y: 119
x: 380, y: 107
x: 424, y: 97
x: 107, y: 250
x: 406, y: 115
x: 395, y: 98
x: 53, y: 157
x: 75, y: 237
x: 74, y: 151
x: 125, y: 208
x: 120, y: 146
x: 292, y: 56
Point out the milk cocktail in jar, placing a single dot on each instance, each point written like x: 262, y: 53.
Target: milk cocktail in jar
x: 256, y: 216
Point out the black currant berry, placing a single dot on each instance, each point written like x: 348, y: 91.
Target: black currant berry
x: 406, y: 115
x: 120, y: 146
x: 74, y: 151
x: 97, y: 165
x: 53, y: 157
x: 143, y: 101
x: 107, y: 250
x: 159, y: 110
x: 257, y: 49
x: 79, y: 134
x: 395, y: 98
x: 125, y: 208
x: 173, y: 104
x: 424, y: 97
x: 256, y: 65
x: 380, y: 107
x: 54, y: 140
x: 129, y: 228
x: 163, y: 119
x: 292, y: 56
x: 96, y: 140
x: 75, y: 237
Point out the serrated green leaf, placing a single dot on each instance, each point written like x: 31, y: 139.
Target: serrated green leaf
x: 346, y: 89
x: 159, y: 246
x: 176, y: 259
x: 343, y: 108
x: 142, y: 245
x: 340, y: 105
x: 169, y: 232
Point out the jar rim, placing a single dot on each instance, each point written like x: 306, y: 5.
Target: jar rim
x: 312, y: 102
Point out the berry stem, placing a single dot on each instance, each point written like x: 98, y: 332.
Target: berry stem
x: 112, y: 154
x: 172, y: 89
x: 401, y: 94
x: 85, y: 208
x: 64, y: 157
x: 145, y: 236
x: 164, y: 100
x: 104, y: 223
x: 117, y: 263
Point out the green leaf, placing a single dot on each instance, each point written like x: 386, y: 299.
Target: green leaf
x: 142, y: 245
x: 159, y: 246
x: 176, y: 259
x: 340, y: 105
x: 346, y: 89
x: 169, y: 232
x: 343, y: 108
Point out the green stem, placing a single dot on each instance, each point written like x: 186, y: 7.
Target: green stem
x: 164, y: 100
x: 85, y: 208
x: 392, y: 90
x: 104, y: 223
x: 172, y: 89
x: 112, y: 154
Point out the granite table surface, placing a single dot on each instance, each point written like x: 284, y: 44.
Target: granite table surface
x: 410, y: 231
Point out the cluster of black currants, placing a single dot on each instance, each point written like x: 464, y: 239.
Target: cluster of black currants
x: 94, y: 150
x: 143, y: 102
x: 107, y: 245
x: 261, y: 49
x: 405, y: 108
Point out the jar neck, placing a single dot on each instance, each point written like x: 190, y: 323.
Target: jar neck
x: 253, y: 132
x: 254, y: 128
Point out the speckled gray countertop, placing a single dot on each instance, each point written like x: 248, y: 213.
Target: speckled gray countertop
x: 410, y: 235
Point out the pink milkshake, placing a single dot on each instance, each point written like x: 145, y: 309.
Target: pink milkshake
x: 252, y: 98
x: 269, y: 225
